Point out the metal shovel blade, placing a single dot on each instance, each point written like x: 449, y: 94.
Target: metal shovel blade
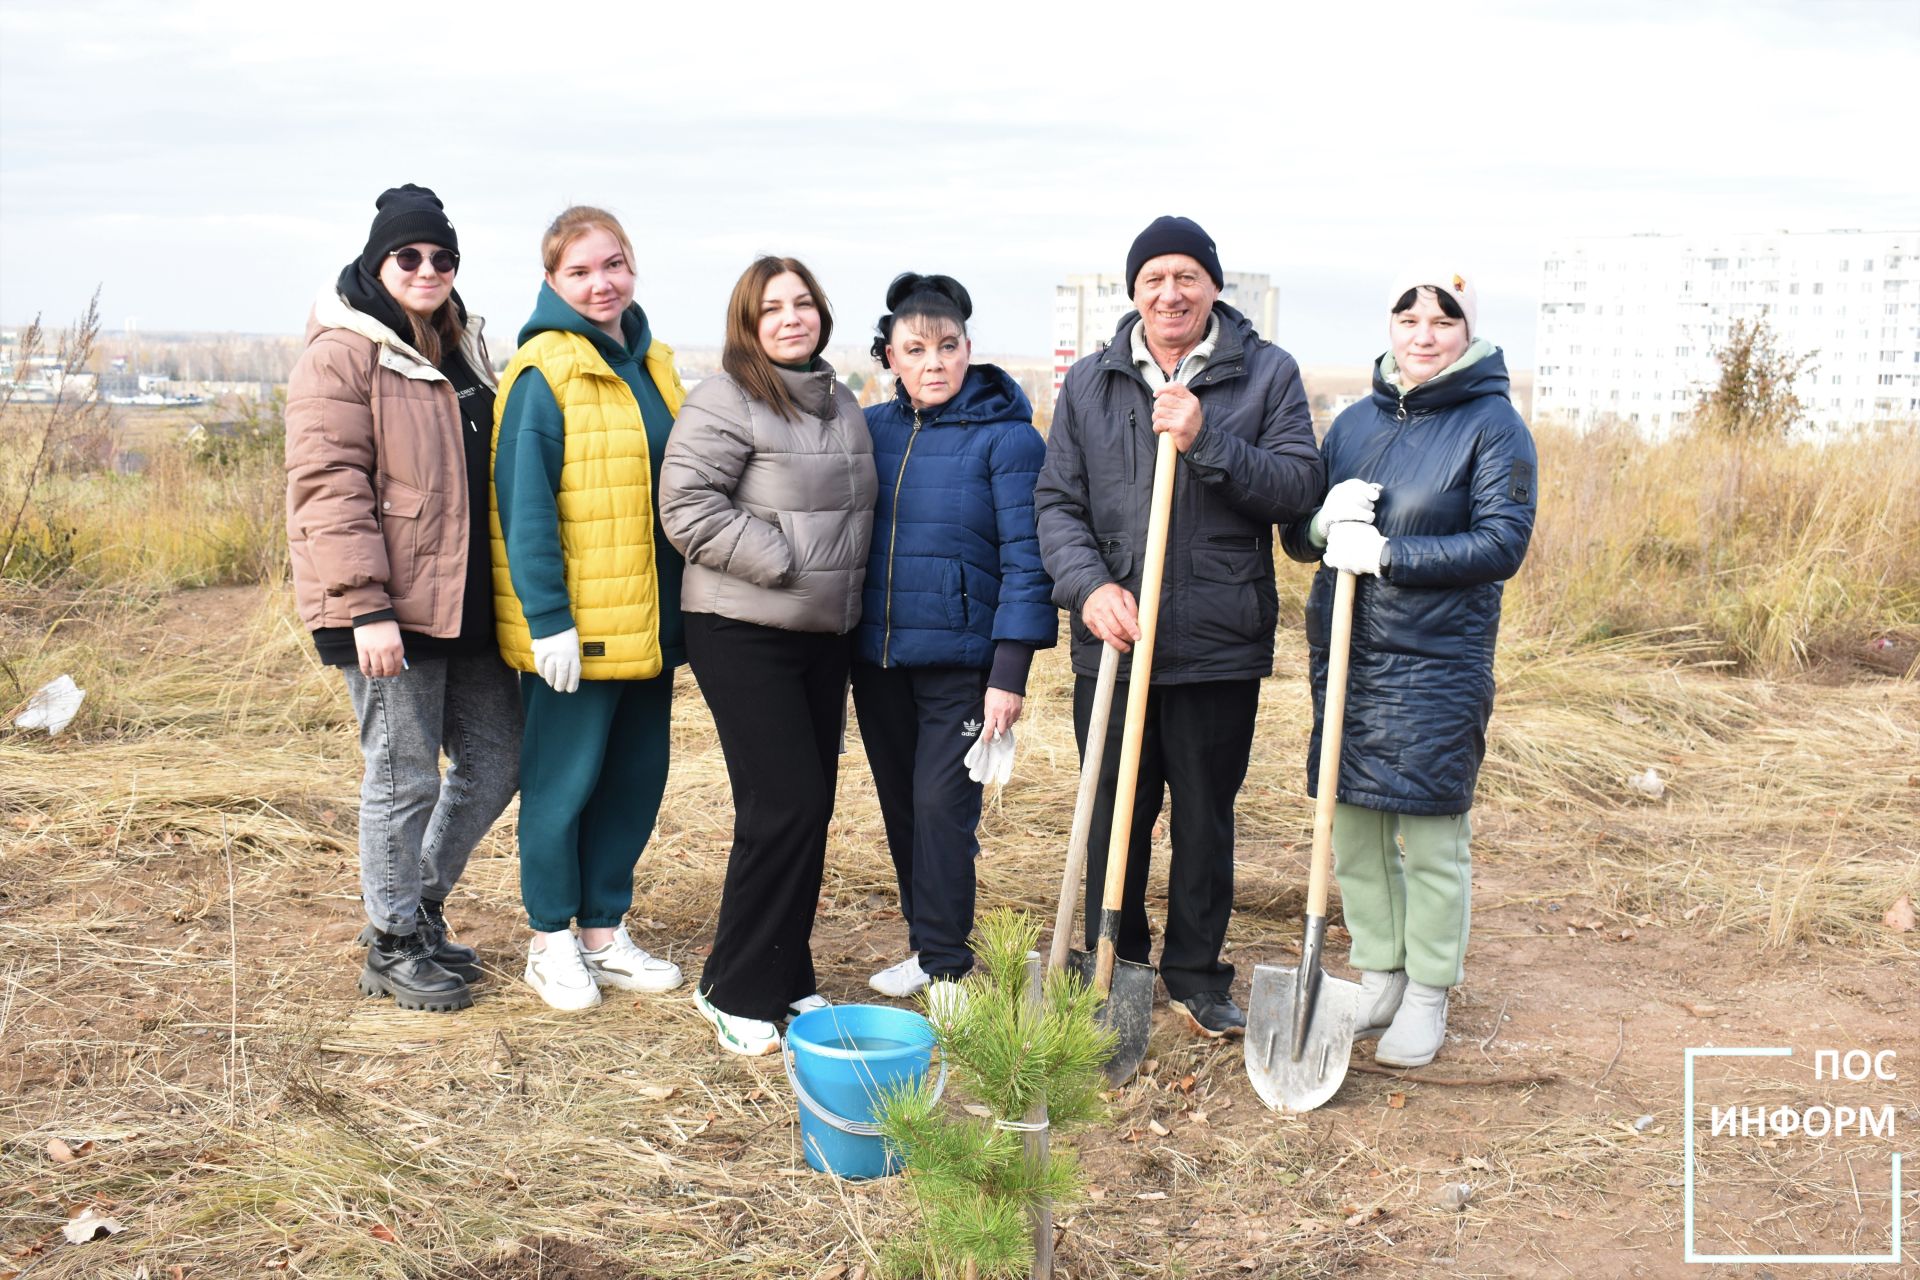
x: 1128, y: 1011
x: 1281, y: 997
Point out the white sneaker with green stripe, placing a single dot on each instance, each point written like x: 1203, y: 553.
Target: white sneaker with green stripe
x: 749, y: 1037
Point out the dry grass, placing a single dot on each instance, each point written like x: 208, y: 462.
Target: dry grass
x: 1779, y: 553
x: 177, y: 895
x: 177, y: 891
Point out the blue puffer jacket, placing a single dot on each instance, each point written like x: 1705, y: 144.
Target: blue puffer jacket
x: 1455, y: 463
x: 955, y: 565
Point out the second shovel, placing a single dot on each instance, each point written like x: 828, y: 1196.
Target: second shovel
x: 1300, y: 1023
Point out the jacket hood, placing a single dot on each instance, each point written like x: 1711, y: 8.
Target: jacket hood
x: 331, y: 310
x: 1480, y: 371
x: 552, y: 314
x: 1237, y: 335
x: 987, y: 394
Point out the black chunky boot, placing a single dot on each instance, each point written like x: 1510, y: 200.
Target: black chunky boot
x: 430, y: 921
x: 402, y: 966
x: 457, y: 957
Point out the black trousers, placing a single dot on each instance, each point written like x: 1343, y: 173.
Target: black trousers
x: 778, y: 700
x: 1195, y: 748
x: 918, y: 723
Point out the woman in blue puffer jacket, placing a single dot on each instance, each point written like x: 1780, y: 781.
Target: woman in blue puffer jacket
x: 954, y: 606
x: 1432, y: 501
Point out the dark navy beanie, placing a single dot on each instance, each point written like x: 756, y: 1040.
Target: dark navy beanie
x: 407, y: 215
x: 1169, y: 234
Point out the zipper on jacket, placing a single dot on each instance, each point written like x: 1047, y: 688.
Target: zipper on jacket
x: 893, y: 536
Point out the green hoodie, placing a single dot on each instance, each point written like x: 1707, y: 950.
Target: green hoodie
x: 526, y: 472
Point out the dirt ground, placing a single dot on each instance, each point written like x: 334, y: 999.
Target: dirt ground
x: 182, y: 1045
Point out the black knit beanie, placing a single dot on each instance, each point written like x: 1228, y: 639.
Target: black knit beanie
x: 408, y: 215
x: 1169, y: 234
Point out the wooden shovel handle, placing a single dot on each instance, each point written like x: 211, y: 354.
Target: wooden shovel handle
x: 1083, y: 806
x: 1139, y: 677
x: 1333, y: 719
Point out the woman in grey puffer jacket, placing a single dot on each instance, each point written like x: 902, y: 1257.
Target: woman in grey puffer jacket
x: 767, y: 487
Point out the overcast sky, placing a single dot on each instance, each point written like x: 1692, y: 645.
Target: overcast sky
x: 212, y: 164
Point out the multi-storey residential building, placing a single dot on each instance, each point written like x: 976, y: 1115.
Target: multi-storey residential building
x: 1629, y: 325
x: 1087, y: 308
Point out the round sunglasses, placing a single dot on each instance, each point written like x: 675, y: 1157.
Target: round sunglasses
x: 444, y: 260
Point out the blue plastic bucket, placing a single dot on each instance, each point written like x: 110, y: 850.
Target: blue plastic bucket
x: 839, y: 1060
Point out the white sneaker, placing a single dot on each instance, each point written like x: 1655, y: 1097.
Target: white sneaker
x: 900, y: 980
x: 560, y: 976
x: 807, y: 1004
x: 629, y: 967
x: 749, y: 1037
x: 946, y: 1002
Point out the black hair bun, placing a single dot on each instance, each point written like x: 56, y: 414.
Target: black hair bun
x: 908, y: 283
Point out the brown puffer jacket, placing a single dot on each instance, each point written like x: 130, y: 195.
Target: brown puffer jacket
x: 773, y: 514
x: 376, y: 476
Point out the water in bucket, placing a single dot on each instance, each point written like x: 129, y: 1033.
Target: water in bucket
x: 840, y: 1059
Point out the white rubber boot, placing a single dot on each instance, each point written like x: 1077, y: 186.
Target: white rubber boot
x: 1418, y: 1029
x: 1380, y: 995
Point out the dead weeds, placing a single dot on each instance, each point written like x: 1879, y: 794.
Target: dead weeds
x: 177, y: 1009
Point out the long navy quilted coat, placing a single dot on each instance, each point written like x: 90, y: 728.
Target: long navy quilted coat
x: 955, y: 565
x: 1457, y: 469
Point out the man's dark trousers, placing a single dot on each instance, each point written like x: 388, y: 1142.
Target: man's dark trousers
x: 1195, y: 748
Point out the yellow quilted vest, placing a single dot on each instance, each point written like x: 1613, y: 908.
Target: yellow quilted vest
x: 606, y: 509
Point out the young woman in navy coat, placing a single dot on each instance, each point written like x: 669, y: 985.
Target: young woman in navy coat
x: 1432, y: 503
x: 955, y: 604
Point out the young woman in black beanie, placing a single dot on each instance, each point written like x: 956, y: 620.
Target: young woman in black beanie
x: 389, y: 422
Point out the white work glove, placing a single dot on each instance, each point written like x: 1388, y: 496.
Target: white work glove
x: 557, y: 659
x: 990, y: 760
x: 1354, y: 547
x: 1348, y: 500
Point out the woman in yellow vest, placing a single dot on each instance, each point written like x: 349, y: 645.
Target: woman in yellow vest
x: 587, y: 594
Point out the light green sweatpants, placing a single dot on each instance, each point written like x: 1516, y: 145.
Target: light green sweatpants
x: 1406, y: 910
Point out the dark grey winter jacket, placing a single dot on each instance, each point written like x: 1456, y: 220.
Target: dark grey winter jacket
x: 1253, y: 465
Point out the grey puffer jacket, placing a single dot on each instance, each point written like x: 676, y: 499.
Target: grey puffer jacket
x: 774, y: 515
x: 1253, y: 465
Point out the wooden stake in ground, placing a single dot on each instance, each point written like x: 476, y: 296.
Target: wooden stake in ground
x: 1036, y: 1141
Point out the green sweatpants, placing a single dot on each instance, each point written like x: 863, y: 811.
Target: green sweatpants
x: 1406, y: 910
x: 593, y: 767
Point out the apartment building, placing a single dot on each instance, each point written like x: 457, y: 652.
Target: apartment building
x: 1628, y: 325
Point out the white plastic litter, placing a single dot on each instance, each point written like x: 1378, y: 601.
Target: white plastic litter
x: 1649, y: 784
x: 53, y: 706
x: 990, y: 760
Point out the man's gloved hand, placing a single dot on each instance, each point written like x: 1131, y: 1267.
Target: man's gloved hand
x: 1348, y: 500
x: 557, y: 659
x: 1354, y: 547
x: 990, y: 759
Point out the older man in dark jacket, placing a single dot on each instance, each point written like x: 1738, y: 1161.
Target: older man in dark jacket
x: 1187, y: 365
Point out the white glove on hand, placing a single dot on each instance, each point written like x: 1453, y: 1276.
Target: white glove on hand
x: 1348, y: 500
x: 990, y: 760
x: 557, y: 659
x: 1354, y: 547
